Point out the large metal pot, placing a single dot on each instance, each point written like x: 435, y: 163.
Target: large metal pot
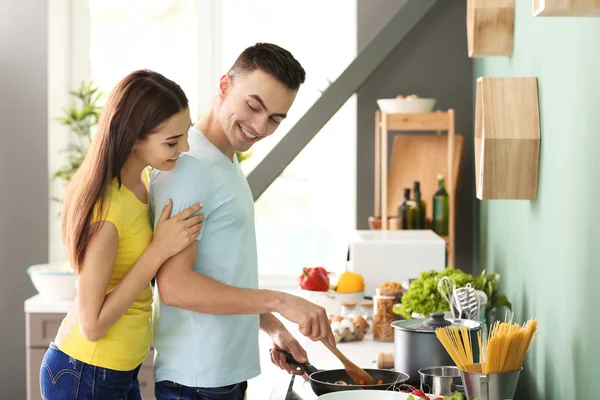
x: 417, y: 346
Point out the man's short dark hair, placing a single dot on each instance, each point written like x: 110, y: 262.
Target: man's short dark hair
x: 272, y: 59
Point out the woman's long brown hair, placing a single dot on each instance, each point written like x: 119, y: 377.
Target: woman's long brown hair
x: 136, y: 107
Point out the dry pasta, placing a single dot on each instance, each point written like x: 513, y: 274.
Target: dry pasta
x: 502, y: 351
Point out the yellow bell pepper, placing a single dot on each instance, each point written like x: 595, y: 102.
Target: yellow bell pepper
x: 350, y: 282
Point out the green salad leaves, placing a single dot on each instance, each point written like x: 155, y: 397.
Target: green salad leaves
x: 424, y: 298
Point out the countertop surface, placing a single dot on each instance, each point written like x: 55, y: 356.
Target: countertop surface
x: 42, y: 305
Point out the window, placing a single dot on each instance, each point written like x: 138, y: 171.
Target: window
x: 158, y: 35
x: 302, y: 217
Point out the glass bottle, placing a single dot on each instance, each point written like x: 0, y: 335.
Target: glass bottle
x: 441, y: 209
x: 406, y: 211
x: 419, y: 207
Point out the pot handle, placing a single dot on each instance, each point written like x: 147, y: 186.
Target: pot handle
x: 484, y: 387
x: 426, y: 388
x: 306, y: 367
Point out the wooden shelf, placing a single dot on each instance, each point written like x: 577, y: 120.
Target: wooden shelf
x: 434, y: 121
x: 415, y: 157
x: 507, y: 138
x: 566, y: 8
x: 490, y: 27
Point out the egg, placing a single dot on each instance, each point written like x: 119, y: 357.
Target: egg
x: 346, y: 323
x: 336, y: 327
x: 338, y: 318
x: 360, y: 333
x: 360, y: 322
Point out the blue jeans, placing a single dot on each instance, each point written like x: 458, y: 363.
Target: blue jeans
x: 65, y: 378
x: 167, y: 390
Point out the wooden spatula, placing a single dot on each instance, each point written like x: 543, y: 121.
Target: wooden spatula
x: 357, y: 374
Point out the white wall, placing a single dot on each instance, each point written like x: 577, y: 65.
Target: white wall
x: 67, y: 50
x: 23, y: 175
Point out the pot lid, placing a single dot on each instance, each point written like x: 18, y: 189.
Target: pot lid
x: 435, y: 320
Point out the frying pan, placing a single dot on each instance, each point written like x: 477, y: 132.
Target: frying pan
x: 322, y: 382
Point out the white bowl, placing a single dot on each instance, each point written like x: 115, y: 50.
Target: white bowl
x: 406, y: 106
x: 367, y: 395
x: 53, y: 281
x: 332, y: 301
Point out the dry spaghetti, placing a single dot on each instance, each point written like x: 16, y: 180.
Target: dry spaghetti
x: 502, y: 351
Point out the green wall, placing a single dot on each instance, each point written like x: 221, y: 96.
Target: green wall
x: 547, y: 250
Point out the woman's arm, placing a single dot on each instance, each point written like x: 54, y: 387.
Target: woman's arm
x: 98, y: 310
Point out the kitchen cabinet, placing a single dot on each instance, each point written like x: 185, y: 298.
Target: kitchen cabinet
x: 42, y: 319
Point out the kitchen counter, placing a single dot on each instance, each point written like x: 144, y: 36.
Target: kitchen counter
x: 41, y: 305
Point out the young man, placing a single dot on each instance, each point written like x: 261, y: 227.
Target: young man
x: 208, y: 308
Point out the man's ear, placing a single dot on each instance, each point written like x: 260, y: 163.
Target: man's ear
x: 224, y: 85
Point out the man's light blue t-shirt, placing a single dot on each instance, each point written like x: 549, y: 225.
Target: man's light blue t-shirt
x: 203, y: 350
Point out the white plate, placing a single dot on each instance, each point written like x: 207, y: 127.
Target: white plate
x: 367, y: 395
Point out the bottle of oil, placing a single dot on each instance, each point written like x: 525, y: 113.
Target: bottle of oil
x: 419, y: 207
x: 406, y: 211
x: 441, y: 209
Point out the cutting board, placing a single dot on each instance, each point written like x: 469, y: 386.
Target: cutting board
x: 420, y: 157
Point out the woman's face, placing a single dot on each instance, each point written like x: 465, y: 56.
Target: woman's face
x: 161, y: 148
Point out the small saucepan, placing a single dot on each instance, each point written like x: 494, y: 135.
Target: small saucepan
x: 337, y: 380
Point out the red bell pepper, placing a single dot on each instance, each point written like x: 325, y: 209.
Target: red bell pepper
x: 315, y: 279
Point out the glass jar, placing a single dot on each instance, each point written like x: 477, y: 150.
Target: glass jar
x: 366, y: 310
x: 349, y: 310
x: 383, y: 316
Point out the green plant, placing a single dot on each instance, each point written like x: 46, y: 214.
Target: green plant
x: 80, y: 118
x: 424, y: 298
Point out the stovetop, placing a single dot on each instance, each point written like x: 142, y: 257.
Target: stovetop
x: 295, y: 389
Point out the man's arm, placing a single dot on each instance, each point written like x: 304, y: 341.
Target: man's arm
x: 270, y: 323
x: 181, y: 286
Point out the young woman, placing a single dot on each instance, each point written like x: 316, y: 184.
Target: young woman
x: 109, y: 236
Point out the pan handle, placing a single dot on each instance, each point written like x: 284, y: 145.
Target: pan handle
x: 306, y: 367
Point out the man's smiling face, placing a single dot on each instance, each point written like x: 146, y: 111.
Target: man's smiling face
x: 254, y: 104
